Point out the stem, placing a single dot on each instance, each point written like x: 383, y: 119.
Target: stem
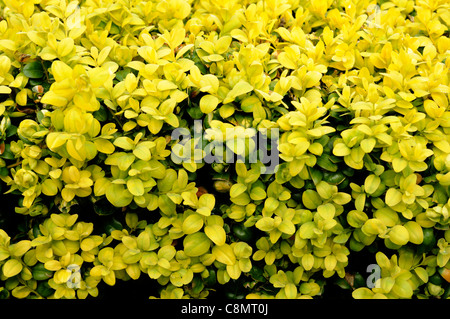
x: 14, y: 165
x: 115, y: 117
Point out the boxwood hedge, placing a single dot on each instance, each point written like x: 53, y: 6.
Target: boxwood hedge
x: 110, y: 109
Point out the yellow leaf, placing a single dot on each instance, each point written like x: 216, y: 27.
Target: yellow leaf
x: 130, y: 82
x: 7, y: 44
x: 237, y: 189
x: 196, y: 244
x: 104, y: 146
x: 36, y: 38
x: 164, y: 85
x: 371, y: 184
x: 326, y: 211
x: 20, y: 248
x: 234, y: 271
x: 12, y: 267
x: 340, y: 149
x: 54, y: 99
x: 224, y: 254
x: 312, y: 78
x: 242, y: 87
x: 208, y: 103
x: 55, y: 140
x: 216, y: 233
x: 4, y: 89
x: 61, y: 71
x: 21, y: 98
x: 290, y: 291
x: 65, y: 46
x: 21, y: 292
x: 286, y: 59
x: 118, y: 195
x: 98, y: 76
x: 76, y: 153
x: 193, y: 223
x: 207, y: 200
x: 209, y: 83
x: 52, y: 265
x: 67, y: 194
x: 222, y: 45
x: 49, y: 187
x: 103, y: 55
x: 135, y: 186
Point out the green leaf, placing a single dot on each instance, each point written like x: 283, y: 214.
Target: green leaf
x: 41, y: 273
x: 33, y: 70
x: 311, y: 199
x: 325, y: 162
x: 166, y: 205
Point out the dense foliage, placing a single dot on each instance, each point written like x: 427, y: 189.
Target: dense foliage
x: 95, y: 191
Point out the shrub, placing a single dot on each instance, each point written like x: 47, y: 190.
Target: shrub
x: 349, y: 98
